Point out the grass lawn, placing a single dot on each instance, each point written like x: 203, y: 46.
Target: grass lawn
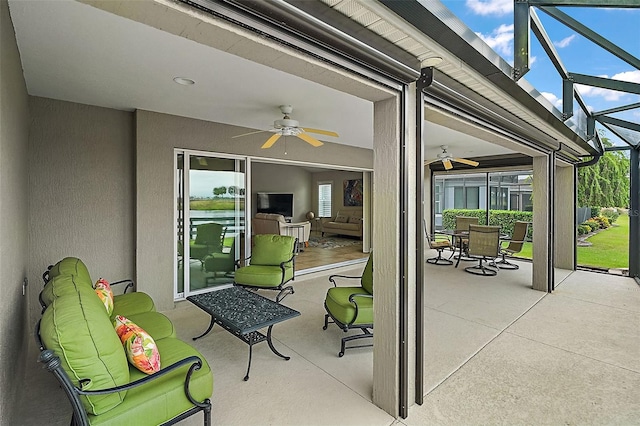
x: 609, y: 249
x: 215, y: 204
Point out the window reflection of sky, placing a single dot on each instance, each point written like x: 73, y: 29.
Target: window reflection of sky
x: 202, y: 182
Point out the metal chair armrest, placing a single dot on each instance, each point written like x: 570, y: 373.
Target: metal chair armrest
x: 129, y: 284
x: 331, y: 278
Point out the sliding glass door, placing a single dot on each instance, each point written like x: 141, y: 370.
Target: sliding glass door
x: 210, y: 220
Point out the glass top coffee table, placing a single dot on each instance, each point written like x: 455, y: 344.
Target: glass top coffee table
x: 242, y: 313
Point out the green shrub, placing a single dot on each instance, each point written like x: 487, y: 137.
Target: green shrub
x: 610, y: 213
x: 595, y: 211
x: 503, y: 218
x: 583, y: 229
x: 603, y: 222
x: 592, y: 224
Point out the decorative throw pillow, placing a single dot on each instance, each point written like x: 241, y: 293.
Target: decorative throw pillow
x: 341, y: 219
x: 354, y: 219
x: 104, y: 292
x: 140, y: 348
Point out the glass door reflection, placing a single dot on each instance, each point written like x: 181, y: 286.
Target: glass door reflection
x: 215, y: 224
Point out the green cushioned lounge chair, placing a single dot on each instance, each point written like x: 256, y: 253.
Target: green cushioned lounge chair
x: 271, y: 265
x: 351, y: 307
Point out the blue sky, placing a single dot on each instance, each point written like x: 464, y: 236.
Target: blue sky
x: 492, y: 20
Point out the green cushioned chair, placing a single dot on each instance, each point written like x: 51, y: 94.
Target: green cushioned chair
x: 351, y: 307
x: 223, y: 262
x: 271, y: 265
x: 209, y: 240
x: 80, y: 346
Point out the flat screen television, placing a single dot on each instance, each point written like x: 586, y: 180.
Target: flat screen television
x: 269, y: 202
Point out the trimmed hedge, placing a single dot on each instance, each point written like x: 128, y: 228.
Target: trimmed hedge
x: 610, y: 213
x: 503, y: 218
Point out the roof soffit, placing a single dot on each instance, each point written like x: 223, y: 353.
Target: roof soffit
x: 378, y: 18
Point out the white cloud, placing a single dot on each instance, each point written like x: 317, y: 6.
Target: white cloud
x: 500, y: 39
x: 532, y: 60
x: 556, y: 101
x: 490, y: 7
x: 607, y: 94
x: 565, y: 41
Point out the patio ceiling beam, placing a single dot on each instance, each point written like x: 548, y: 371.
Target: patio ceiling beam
x: 620, y: 123
x: 585, y: 3
x: 618, y: 134
x: 590, y: 34
x: 618, y: 109
x: 605, y: 83
x: 547, y: 44
x: 521, y: 41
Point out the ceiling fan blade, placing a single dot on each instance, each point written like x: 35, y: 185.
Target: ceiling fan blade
x: 269, y: 143
x: 250, y: 133
x: 465, y: 161
x: 426, y: 163
x: 321, y: 132
x: 310, y: 139
x: 447, y: 164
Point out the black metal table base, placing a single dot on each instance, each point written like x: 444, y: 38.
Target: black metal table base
x: 250, y: 339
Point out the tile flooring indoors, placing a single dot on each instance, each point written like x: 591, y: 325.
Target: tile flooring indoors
x: 497, y: 352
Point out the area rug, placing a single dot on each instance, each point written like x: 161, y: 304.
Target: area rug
x: 332, y: 242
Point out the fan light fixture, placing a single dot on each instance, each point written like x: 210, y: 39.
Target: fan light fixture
x: 446, y: 159
x: 287, y: 126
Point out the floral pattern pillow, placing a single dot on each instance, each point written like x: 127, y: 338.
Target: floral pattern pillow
x: 140, y: 348
x: 104, y: 292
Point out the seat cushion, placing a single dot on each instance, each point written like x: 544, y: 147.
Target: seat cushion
x: 67, y: 284
x: 163, y: 398
x: 76, y: 327
x: 262, y: 276
x: 156, y: 324
x: 338, y: 305
x: 132, y: 303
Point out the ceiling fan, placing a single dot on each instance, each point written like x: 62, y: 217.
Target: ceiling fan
x: 289, y: 127
x: 446, y: 159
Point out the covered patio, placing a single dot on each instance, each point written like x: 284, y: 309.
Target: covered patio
x: 495, y: 349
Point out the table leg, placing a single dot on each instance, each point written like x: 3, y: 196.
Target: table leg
x: 207, y: 331
x: 273, y: 349
x: 246, y: 377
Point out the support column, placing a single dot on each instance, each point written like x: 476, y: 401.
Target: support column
x: 543, y: 171
x: 564, y: 235
x: 394, y: 229
x: 634, y: 214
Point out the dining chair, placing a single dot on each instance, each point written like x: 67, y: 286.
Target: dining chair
x: 438, y: 243
x: 484, y: 243
x: 515, y: 245
x: 462, y: 225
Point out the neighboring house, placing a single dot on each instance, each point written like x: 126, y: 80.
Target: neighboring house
x: 82, y: 173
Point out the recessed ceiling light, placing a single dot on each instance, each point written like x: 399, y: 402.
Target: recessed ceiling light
x: 184, y: 81
x: 432, y: 62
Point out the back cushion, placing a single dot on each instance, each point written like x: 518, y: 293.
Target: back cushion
x: 367, y: 276
x: 62, y: 285
x: 71, y: 266
x: 269, y: 249
x: 75, y: 326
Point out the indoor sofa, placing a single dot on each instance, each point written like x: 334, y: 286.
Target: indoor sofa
x: 271, y: 223
x: 345, y: 222
x: 80, y: 346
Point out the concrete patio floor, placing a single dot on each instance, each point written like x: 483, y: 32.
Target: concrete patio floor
x: 497, y: 352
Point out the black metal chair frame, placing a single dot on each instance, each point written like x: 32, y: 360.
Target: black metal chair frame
x: 79, y: 418
x: 284, y: 291
x: 367, y: 329
x: 439, y: 260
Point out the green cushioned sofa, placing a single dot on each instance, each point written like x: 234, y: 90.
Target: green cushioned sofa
x: 80, y: 347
